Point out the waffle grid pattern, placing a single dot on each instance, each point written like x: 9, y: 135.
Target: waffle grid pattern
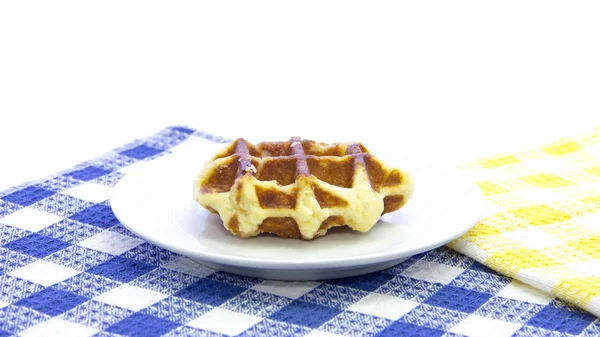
x: 299, y: 188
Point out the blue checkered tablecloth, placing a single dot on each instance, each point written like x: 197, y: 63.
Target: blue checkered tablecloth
x: 69, y: 268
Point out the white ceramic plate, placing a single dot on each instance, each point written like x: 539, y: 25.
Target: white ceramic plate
x: 155, y: 202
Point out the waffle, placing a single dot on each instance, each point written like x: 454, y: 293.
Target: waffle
x: 299, y: 188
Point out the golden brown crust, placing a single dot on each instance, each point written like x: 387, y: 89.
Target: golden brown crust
x: 273, y: 198
x: 392, y: 203
x: 326, y: 199
x: 282, y: 227
x: 268, y: 187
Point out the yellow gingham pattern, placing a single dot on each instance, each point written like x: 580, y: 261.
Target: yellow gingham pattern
x: 542, y: 221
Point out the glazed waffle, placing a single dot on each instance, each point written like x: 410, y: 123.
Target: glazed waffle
x: 299, y: 188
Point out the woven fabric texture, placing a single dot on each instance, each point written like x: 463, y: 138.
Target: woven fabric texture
x: 542, y: 224
x: 69, y: 268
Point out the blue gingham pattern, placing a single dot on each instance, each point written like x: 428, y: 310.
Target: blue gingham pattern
x: 69, y: 268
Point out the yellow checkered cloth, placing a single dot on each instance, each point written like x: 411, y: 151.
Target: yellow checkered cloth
x: 542, y: 221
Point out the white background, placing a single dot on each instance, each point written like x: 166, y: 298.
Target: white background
x: 451, y: 79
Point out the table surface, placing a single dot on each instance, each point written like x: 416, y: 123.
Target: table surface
x: 71, y: 269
